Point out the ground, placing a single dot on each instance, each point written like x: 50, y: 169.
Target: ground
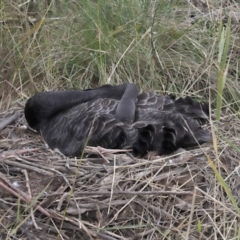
x: 113, y: 194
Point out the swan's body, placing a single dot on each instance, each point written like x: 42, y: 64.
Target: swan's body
x: 118, y: 119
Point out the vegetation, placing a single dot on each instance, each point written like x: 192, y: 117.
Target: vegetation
x: 179, y: 46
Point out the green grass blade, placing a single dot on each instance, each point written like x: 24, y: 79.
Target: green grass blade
x: 224, y: 42
x: 224, y: 185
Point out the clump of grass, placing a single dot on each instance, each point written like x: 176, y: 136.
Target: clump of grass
x: 96, y: 42
x: 77, y: 45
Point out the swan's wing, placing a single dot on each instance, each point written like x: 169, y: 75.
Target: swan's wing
x: 153, y: 100
x: 92, y: 123
x: 150, y: 106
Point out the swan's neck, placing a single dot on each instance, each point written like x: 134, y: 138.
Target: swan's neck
x: 127, y: 105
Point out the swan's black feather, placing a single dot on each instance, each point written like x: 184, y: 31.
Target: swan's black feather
x: 150, y: 122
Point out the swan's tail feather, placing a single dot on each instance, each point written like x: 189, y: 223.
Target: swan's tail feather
x: 190, y: 108
x: 199, y: 136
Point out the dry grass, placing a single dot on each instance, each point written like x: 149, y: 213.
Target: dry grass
x: 110, y: 194
x: 169, y: 46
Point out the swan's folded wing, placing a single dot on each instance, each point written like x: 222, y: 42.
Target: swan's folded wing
x: 92, y: 123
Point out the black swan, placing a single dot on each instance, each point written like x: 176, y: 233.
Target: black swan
x: 117, y: 117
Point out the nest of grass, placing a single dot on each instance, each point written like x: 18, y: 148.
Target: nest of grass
x: 110, y: 194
